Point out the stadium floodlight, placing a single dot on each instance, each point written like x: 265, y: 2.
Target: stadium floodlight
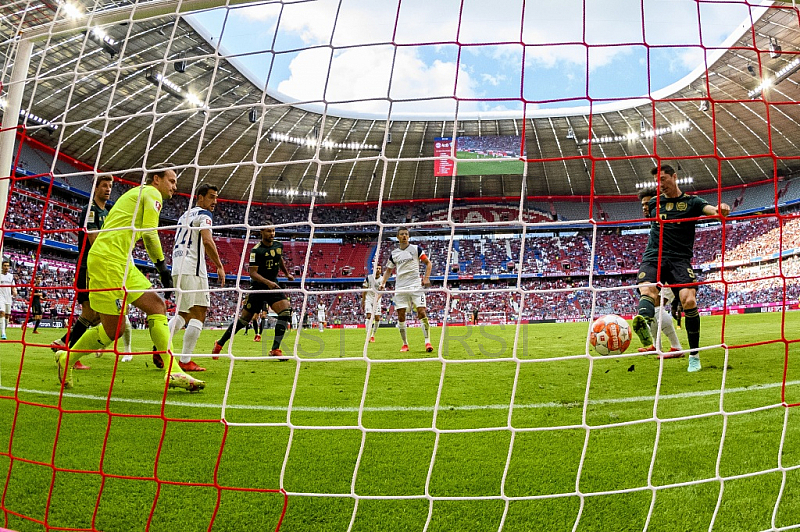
x: 787, y: 70
x: 26, y: 117
x: 172, y: 88
x: 648, y: 134
x: 311, y: 142
x: 99, y: 36
x: 653, y: 183
x: 703, y: 106
x: 252, y: 115
x: 71, y: 11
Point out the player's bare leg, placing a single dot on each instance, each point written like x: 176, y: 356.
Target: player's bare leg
x: 244, y: 318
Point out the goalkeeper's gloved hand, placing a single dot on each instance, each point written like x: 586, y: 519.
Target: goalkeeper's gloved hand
x: 676, y: 308
x: 166, y: 278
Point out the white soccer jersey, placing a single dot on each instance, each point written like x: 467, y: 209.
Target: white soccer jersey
x: 405, y: 262
x: 5, y: 292
x: 189, y: 254
x: 371, y: 285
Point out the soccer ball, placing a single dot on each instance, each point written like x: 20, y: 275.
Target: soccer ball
x: 610, y: 335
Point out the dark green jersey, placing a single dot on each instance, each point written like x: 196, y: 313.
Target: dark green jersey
x: 93, y: 217
x: 268, y: 261
x: 678, y: 236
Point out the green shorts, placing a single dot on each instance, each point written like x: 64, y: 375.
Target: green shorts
x: 104, y: 274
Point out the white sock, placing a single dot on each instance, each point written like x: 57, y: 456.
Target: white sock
x: 368, y: 323
x: 3, y: 325
x: 126, y: 335
x: 402, y: 326
x: 190, y: 338
x: 375, y: 326
x: 668, y: 328
x: 175, y: 324
x: 653, y: 326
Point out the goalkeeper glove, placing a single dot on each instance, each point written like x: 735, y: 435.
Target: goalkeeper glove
x: 166, y: 278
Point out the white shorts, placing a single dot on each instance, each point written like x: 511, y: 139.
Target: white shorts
x: 405, y: 299
x: 320, y: 317
x: 372, y: 309
x: 5, y: 307
x: 199, y: 295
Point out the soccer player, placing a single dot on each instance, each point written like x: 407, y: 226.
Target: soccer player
x: 193, y: 241
x: 92, y: 217
x: 295, y: 320
x: 266, y: 260
x: 321, y: 316
x: 115, y: 282
x: 670, y: 248
x: 405, y: 259
x: 7, y: 295
x: 371, y: 302
x: 36, y: 303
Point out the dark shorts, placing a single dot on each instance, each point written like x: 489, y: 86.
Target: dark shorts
x: 255, y: 302
x: 673, y: 272
x: 36, y: 308
x: 82, y: 283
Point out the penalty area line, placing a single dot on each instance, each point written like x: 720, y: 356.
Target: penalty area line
x: 333, y: 409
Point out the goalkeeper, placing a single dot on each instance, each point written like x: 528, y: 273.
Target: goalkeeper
x: 115, y: 282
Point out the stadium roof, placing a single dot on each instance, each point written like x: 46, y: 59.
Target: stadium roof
x: 114, y: 111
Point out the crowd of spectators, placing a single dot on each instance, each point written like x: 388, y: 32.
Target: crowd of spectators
x: 561, y: 258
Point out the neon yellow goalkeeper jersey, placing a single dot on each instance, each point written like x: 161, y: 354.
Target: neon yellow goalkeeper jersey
x: 145, y: 203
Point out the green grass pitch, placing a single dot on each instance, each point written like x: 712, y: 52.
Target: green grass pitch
x: 473, y: 164
x: 582, y: 427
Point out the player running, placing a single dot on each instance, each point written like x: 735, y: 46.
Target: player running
x: 405, y: 259
x: 266, y: 260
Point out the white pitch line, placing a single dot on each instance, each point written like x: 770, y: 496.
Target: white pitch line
x: 332, y: 409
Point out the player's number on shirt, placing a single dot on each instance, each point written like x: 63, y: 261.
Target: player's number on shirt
x: 180, y: 238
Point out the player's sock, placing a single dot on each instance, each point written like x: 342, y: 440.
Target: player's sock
x: 692, y: 319
x: 668, y: 328
x: 263, y: 324
x: 158, y: 326
x: 78, y: 328
x: 647, y: 307
x: 280, y: 328
x: 193, y: 330
x: 127, y: 335
x: 375, y: 326
x: 94, y: 339
x: 176, y: 324
x: 240, y: 324
x: 36, y: 325
x: 3, y: 326
x: 426, y: 329
x: 401, y: 325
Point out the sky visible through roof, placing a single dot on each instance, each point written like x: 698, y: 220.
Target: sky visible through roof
x: 341, y: 51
